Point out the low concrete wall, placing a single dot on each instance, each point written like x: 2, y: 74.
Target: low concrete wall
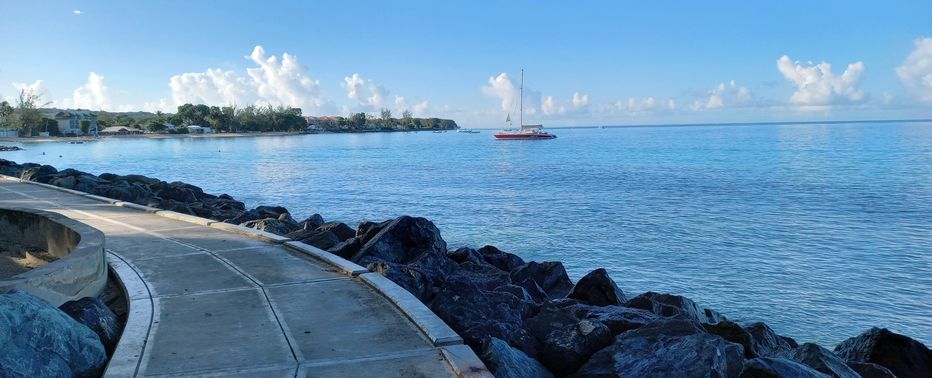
x: 81, y: 269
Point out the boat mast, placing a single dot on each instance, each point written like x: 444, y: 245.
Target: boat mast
x: 521, y: 117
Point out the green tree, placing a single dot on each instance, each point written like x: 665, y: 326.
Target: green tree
x: 406, y: 118
x: 156, y: 125
x: 5, y: 112
x: 386, y: 116
x: 85, y: 126
x: 51, y: 126
x: 357, y: 120
x: 26, y: 114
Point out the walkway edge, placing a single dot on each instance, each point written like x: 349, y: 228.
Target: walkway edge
x: 129, y: 350
x: 436, y: 330
x: 347, y: 267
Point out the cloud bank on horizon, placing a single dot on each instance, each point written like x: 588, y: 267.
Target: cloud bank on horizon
x: 274, y: 80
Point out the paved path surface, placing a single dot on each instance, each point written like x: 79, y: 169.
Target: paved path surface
x: 223, y: 304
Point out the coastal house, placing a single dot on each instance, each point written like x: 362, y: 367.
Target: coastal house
x: 69, y: 122
x: 119, y: 130
x: 322, y: 122
x: 197, y: 129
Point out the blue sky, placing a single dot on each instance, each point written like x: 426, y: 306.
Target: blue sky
x: 587, y: 63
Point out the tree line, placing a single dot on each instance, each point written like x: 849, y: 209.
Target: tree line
x: 27, y: 116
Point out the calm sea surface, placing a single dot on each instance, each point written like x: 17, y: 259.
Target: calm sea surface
x: 820, y: 230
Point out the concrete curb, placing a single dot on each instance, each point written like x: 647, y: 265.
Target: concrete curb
x: 99, y: 198
x: 183, y: 217
x: 130, y: 205
x: 347, y: 267
x: 438, y: 332
x: 250, y: 232
x: 464, y: 362
x: 129, y: 350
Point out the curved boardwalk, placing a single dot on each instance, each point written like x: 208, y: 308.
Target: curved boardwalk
x: 211, y: 302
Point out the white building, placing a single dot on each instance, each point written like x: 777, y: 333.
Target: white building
x: 69, y: 122
x: 196, y: 129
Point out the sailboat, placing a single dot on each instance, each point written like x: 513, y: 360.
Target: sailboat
x: 526, y: 132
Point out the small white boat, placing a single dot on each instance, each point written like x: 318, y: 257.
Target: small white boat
x: 525, y: 132
x: 467, y: 131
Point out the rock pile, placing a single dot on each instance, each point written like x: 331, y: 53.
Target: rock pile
x: 527, y: 318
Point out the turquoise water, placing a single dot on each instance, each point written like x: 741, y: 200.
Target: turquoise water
x: 820, y: 230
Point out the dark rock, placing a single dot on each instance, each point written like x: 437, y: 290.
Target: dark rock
x: 904, y: 356
x: 341, y: 230
x: 476, y: 314
x: 464, y: 254
x: 768, y: 367
x: 97, y: 316
x: 272, y: 225
x: 485, y: 276
x: 271, y: 211
x: 177, y: 193
x: 618, y: 319
x: 869, y: 370
x: 320, y: 239
x: 565, y: 341
x: 823, y: 360
x: 312, y: 222
x: 366, y: 230
x: 346, y: 249
x: 533, y: 289
x: 403, y: 241
x: 598, y: 289
x: 549, y: 275
x: 41, y: 174
x: 669, y: 305
x: 733, y: 332
x: 666, y: 348
x: 517, y: 291
x: 500, y: 259
x: 412, y: 280
x: 767, y: 343
x: 39, y: 340
x: 507, y: 362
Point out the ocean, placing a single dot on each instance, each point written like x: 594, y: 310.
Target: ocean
x: 820, y: 230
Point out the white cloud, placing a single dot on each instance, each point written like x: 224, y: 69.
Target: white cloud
x: 92, y: 95
x: 272, y: 81
x: 37, y: 87
x: 916, y: 71
x: 501, y: 87
x: 353, y: 84
x: 420, y: 108
x: 724, y: 95
x: 580, y: 101
x: 77, y: 12
x: 549, y: 108
x: 816, y: 85
x: 379, y: 93
x: 161, y: 105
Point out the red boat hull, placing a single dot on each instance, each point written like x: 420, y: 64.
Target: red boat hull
x: 525, y: 136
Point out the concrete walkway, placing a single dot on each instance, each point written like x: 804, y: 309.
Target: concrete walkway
x: 210, y: 302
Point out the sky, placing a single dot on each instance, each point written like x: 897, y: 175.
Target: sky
x: 585, y: 62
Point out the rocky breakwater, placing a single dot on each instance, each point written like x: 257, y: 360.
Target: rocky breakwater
x: 527, y: 318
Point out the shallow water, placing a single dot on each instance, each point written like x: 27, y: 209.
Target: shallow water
x: 822, y: 231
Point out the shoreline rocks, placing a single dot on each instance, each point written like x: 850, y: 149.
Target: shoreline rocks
x: 527, y: 318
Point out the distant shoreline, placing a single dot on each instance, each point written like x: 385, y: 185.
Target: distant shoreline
x: 770, y: 123
x: 181, y: 136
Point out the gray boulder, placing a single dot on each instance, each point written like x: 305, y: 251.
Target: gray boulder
x: 549, y: 275
x: 341, y: 230
x: 669, y: 305
x: 272, y: 225
x: 38, y: 340
x: 618, y: 319
x: 869, y: 370
x: 666, y: 348
x: 94, y: 314
x: 823, y: 360
x: 507, y: 362
x: 904, y: 356
x: 565, y: 341
x: 598, y: 289
x: 767, y: 367
x: 500, y: 259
